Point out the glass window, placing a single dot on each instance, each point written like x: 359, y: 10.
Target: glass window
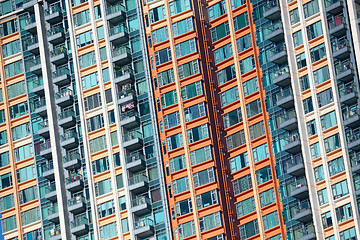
x: 311, y: 8
x: 11, y: 48
x: 220, y: 31
x: 177, y: 163
x: 210, y: 221
x: 314, y: 30
x: 336, y: 166
x: 6, y: 202
x: 197, y: 133
x: 25, y: 173
x: 226, y: 74
x: 183, y: 207
x: 186, y: 229
x: 344, y: 213
x: 204, y: 177
x: 294, y: 16
x: 267, y: 197
x: 166, y: 77
x: 249, y: 229
x: 315, y: 150
x: 301, y: 60
x: 253, y: 108
x: 250, y: 86
x: 242, y: 184
x: 297, y: 37
x: 317, y: 53
x: 247, y: 64
x: 195, y: 112
x: 244, y: 43
x: 319, y: 173
x: 340, y: 189
x: 156, y: 14
x: 207, y: 199
x: 239, y: 162
x: 271, y: 220
x: 183, y: 26
x: 108, y: 231
x: 308, y: 105
x: 229, y: 96
x: 5, y: 180
x: 323, y: 197
x: 103, y: 187
x: 13, y: 69
x: 100, y: 165
x: 311, y: 127
x: 174, y: 141
x: 332, y: 143
x: 263, y: 175
x: 160, y: 35
x: 232, y: 118
x: 241, y: 21
x: 235, y: 140
x: 245, y: 207
x: 180, y: 185
x: 321, y: 75
x: 106, y: 209
x: 223, y: 53
x: 326, y: 220
x: 200, y: 155
x: 23, y: 152
x: 179, y: 6
x: 191, y: 90
x: 30, y: 216
x: 217, y: 10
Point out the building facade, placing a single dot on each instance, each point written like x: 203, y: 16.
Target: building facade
x: 184, y: 119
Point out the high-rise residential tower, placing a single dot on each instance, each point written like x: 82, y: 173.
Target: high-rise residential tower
x: 181, y: 119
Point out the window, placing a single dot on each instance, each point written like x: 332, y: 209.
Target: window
x: 241, y: 21
x: 11, y: 48
x: 95, y: 123
x: 179, y: 6
x: 336, y: 166
x: 260, y: 152
x: 25, y: 173
x: 195, y: 112
x: 223, y: 53
x: 297, y: 37
x: 4, y: 159
x: 311, y: 127
x: 97, y: 144
x: 235, y: 140
x: 245, y: 207
x: 321, y: 75
x: 210, y: 221
x: 191, y: 90
x: 319, y: 173
x: 174, y: 141
x: 90, y: 81
x: 93, y: 101
x: 183, y: 26
x: 171, y: 120
x: 229, y: 96
x: 122, y: 203
x: 180, y: 185
x: 294, y: 16
x: 8, y: 223
x: 200, y: 155
x: 301, y: 60
x: 249, y: 229
x: 18, y: 110
x: 28, y: 194
x: 340, y: 189
x: 263, y: 175
x: 226, y: 74
x: 87, y: 59
x: 13, y: 69
x: 323, y: 197
x: 157, y: 14
x: 207, y: 199
x: 108, y: 231
x: 267, y: 197
x: 183, y: 207
x: 168, y: 99
x: 204, y: 177
x: 253, y: 108
x: 106, y: 209
x: 160, y: 35
x: 250, y: 86
x: 114, y: 138
x: 16, y: 89
x: 270, y: 220
x: 344, y: 213
x: 217, y: 10
x: 315, y: 150
x: 314, y: 30
x: 177, y: 163
x: 311, y: 8
x: 188, y: 69
x: 36, y: 234
x: 220, y: 31
x: 317, y: 53
x: 256, y: 130
x: 232, y: 118
x: 5, y: 180
x: 163, y: 56
x: 243, y: 43
x: 308, y: 105
x: 304, y: 82
x: 237, y: 3
x: 3, y: 137
x: 23, y: 152
x: 7, y: 202
x: 81, y: 18
x: 166, y: 77
x: 186, y: 229
x: 242, y: 184
x: 348, y: 234
x: 9, y: 27
x: 197, y: 133
x: 239, y: 162
x: 100, y: 165
x: 103, y: 187
x: 247, y: 64
x: 30, y: 216
x: 84, y: 39
x: 332, y: 143
x: 19, y: 132
x: 326, y: 220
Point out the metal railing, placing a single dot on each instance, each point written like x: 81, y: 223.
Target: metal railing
x: 79, y: 221
x: 50, y: 188
x: 277, y: 49
x: 55, y: 30
x: 339, y: 43
x: 343, y: 66
x: 76, y: 200
x: 45, y: 145
x: 121, y: 72
x: 53, y: 9
x: 53, y: 209
x: 336, y: 21
x: 345, y: 89
x: 270, y: 4
x: 302, y: 207
x: 330, y: 2
x: 293, y: 161
x: 68, y: 135
x: 278, y: 72
x: 303, y: 231
x: 55, y: 231
x: 284, y: 93
x: 353, y: 135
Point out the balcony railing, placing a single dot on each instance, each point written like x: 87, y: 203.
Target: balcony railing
x: 126, y: 93
x: 273, y: 27
x: 134, y: 157
x: 53, y: 209
x: 293, y: 161
x: 115, y: 8
x: 270, y: 4
x: 36, y: 82
x: 58, y: 51
x: 296, y: 184
x: 346, y: 89
x: 143, y: 223
x: 355, y: 159
x: 50, y: 188
x: 278, y: 72
x: 76, y: 200
x: 45, y: 145
x: 53, y: 9
x: 129, y: 114
x: 330, y: 2
x: 79, y: 221
x: 118, y: 29
x: 66, y: 114
x: 61, y: 72
x: 343, y: 66
x: 68, y: 135
x: 31, y: 41
x: 74, y: 178
x: 303, y: 231
x: 71, y: 156
x: 121, y: 50
x: 122, y: 72
x: 131, y: 135
x: 30, y: 20
x: 277, y: 49
x: 303, y: 206
x: 55, y: 30
x: 353, y: 135
x: 64, y: 92
x: 47, y: 167
x: 339, y: 43
x: 140, y: 201
x: 138, y: 178
x: 55, y: 231
x: 284, y: 93
x: 336, y: 21
x: 33, y: 62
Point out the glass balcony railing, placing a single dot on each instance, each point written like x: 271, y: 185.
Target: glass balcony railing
x: 61, y: 72
x: 353, y: 135
x: 288, y: 115
x: 339, y: 43
x: 330, y: 2
x: 53, y: 209
x: 71, y: 156
x: 273, y: 27
x: 50, y: 188
x: 76, y: 200
x: 53, y: 9
x: 31, y: 41
x: 269, y: 5
x: 131, y: 135
x: 284, y: 93
x: 143, y: 223
x: 74, y: 178
x: 33, y: 62
x: 64, y: 92
x: 66, y: 114
x: 302, y: 207
x: 79, y: 221
x: 47, y: 167
x: 45, y: 145
x: 58, y: 51
x: 336, y: 21
x: 292, y: 161
x: 356, y: 179
x: 121, y: 72
x: 36, y: 82
x: 55, y: 30
x: 134, y: 157
x: 346, y: 89
x: 277, y: 49
x: 129, y: 114
x: 355, y: 159
x: 303, y: 231
x: 30, y: 20
x: 115, y: 8
x: 118, y: 29
x: 139, y: 201
x: 55, y: 231
x: 121, y: 50
x: 343, y: 66
x: 68, y: 135
x: 278, y: 72
x: 295, y: 184
x: 138, y: 178
x: 126, y: 93
x: 43, y: 124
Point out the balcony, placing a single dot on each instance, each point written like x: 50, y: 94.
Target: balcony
x: 278, y: 54
x: 72, y: 161
x: 56, y: 35
x: 40, y: 107
x: 341, y: 48
x: 69, y: 140
x: 43, y: 129
x: 50, y: 192
x: 289, y: 120
x: 115, y: 13
x: 272, y: 10
x: 344, y: 70
x: 33, y: 45
x: 295, y: 166
x: 124, y: 76
x: 48, y: 171
x: 28, y: 5
x: 275, y: 33
x: 285, y: 99
x: 144, y: 228
x: 53, y: 14
x: 45, y: 149
x: 67, y: 119
x: 30, y: 24
x: 37, y: 86
x: 334, y: 6
x: 80, y: 226
x: 306, y: 232
x: 351, y: 117
x: 355, y: 163
x: 53, y: 214
x: 118, y: 34
x: 141, y: 206
x: 294, y: 144
x: 35, y: 66
x: 303, y: 212
x: 135, y: 162
x: 348, y: 94
x: 337, y: 26
x: 64, y: 98
x: 299, y: 189
x: 121, y: 56
x: 132, y: 140
x: 61, y: 77
x: 138, y: 184
x: 77, y: 205
x: 75, y: 183
x: 126, y: 96
x: 353, y: 139
x: 282, y: 77
x: 59, y: 56
x: 129, y: 119
x: 55, y: 233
